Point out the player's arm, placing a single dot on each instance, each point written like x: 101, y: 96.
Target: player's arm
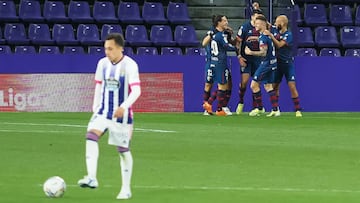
x: 98, y: 83
x: 239, y: 39
x: 261, y: 52
x: 207, y: 38
x: 135, y: 92
x: 225, y: 43
x: 277, y: 43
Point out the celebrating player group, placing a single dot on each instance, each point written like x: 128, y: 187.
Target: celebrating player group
x: 265, y: 55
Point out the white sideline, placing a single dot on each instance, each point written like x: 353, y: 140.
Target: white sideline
x: 74, y: 126
x: 226, y: 188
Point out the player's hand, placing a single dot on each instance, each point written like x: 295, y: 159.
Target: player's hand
x: 210, y: 33
x: 119, y: 113
x: 242, y: 62
x: 229, y: 30
x: 267, y: 32
x: 248, y: 51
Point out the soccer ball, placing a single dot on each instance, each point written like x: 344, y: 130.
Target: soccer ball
x: 54, y: 187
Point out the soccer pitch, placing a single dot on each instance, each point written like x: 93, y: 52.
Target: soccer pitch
x: 188, y: 158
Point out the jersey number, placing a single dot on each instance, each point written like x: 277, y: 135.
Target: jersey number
x: 214, y: 48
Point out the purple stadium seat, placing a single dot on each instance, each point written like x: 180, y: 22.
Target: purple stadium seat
x: 2, y: 40
x: 326, y: 36
x: 306, y: 52
x: 330, y: 52
x: 136, y: 35
x: 195, y: 51
x: 25, y: 50
x: 177, y: 13
x: 30, y: 11
x: 5, y: 49
x: 305, y: 37
x: 357, y: 15
x: 79, y: 12
x: 128, y: 51
x: 352, y: 52
x: 63, y: 34
x: 171, y: 51
x: 73, y: 50
x: 15, y: 33
x: 161, y: 35
x: 153, y: 13
x: 104, y: 12
x: 49, y: 50
x: 315, y: 15
x: 96, y: 50
x: 146, y: 51
x: 350, y: 36
x: 88, y: 34
x: 129, y: 13
x: 40, y: 34
x: 340, y: 15
x: 110, y: 28
x: 185, y: 35
x: 8, y: 12
x: 333, y: 1
x: 54, y: 11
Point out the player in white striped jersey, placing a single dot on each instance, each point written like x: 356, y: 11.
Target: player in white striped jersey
x: 117, y: 88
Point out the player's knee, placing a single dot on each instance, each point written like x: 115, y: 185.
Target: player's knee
x: 123, y: 149
x: 92, y: 136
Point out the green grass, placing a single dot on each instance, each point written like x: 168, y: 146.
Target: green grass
x: 203, y: 159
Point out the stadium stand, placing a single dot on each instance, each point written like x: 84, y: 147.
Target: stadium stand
x: 104, y: 12
x: 25, y: 50
x: 171, y: 51
x: 161, y: 35
x: 49, y: 50
x: 330, y: 52
x: 146, y: 51
x: 30, y: 11
x: 4, y: 49
x: 39, y: 34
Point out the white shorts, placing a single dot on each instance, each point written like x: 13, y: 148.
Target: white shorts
x: 119, y: 134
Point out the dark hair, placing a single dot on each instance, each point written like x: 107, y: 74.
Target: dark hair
x: 257, y: 11
x: 216, y: 19
x: 262, y: 18
x: 117, y: 37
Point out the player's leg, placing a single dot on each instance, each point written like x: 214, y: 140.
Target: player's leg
x: 206, y: 105
x: 126, y: 164
x: 96, y: 127
x: 209, y: 74
x: 120, y: 136
x: 228, y: 95
x: 255, y: 87
x: 268, y: 86
x: 290, y: 78
x: 221, y: 97
x: 295, y: 98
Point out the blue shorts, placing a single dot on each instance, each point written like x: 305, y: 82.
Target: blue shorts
x: 252, y: 64
x: 209, y: 73
x: 265, y: 73
x: 221, y: 73
x: 285, y: 68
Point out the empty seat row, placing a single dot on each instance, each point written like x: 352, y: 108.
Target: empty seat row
x: 4, y: 49
x: 339, y: 15
x: 327, y: 36
x: 328, y: 1
x: 102, y: 12
x: 327, y: 52
x: 88, y: 34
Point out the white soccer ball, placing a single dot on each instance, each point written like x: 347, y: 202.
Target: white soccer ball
x: 54, y: 187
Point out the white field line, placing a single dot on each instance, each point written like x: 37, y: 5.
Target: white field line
x: 74, y: 126
x: 226, y: 188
